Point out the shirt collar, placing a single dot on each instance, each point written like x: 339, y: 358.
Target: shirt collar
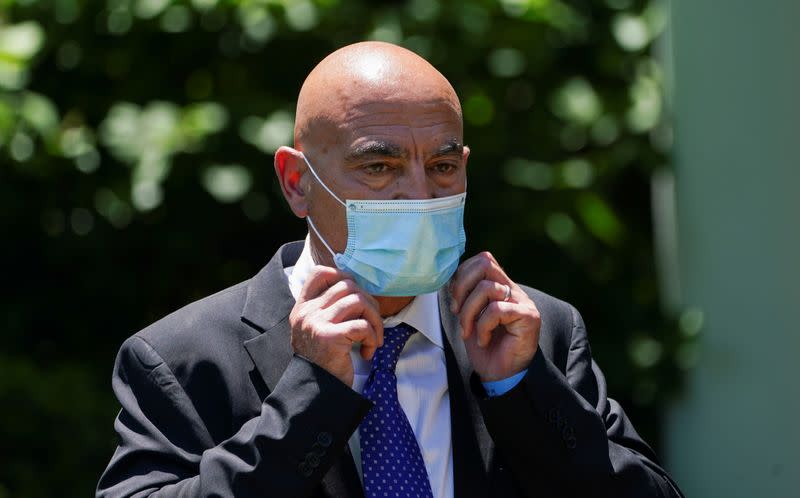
x: 422, y: 313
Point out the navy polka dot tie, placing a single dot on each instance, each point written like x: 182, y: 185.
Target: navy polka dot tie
x: 390, y: 456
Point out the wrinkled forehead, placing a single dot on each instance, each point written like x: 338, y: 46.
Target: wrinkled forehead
x: 416, y: 123
x: 378, y: 92
x: 403, y: 125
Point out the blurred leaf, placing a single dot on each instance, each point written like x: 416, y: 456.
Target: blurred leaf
x: 577, y: 101
x: 227, y: 183
x: 20, y: 42
x: 600, y: 219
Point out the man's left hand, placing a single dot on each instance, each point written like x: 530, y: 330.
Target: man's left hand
x: 500, y: 323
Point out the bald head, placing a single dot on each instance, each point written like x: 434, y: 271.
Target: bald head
x: 352, y: 78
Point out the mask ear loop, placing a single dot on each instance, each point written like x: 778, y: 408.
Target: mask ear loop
x: 311, y: 224
x: 308, y: 218
x: 320, y: 180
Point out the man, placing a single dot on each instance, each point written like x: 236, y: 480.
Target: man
x: 366, y: 361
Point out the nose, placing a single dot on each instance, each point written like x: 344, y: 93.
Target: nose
x: 415, y: 183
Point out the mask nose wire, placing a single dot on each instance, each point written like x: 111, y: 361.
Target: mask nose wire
x: 308, y: 218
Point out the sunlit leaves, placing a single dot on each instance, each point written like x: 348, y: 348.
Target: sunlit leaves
x: 634, y: 32
x: 556, y: 13
x: 531, y: 174
x: 78, y: 143
x: 227, y: 183
x: 147, y: 9
x: 577, y: 173
x: 147, y: 137
x: 478, y: 109
x: 21, y: 146
x: 560, y: 227
x: 40, y: 114
x: 68, y: 55
x: 113, y: 207
x: 646, y: 98
x: 301, y: 15
x: 645, y: 351
x: 573, y: 173
x: 630, y: 31
x: 424, y: 10
x: 66, y: 11
x: 7, y: 120
x: 576, y: 101
x: 506, y: 62
x: 131, y: 132
x: 176, y: 19
x: 387, y: 28
x: 268, y: 133
x: 600, y: 218
x: 258, y: 23
x: 28, y: 118
x: 19, y: 43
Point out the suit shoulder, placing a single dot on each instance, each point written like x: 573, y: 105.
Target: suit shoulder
x: 557, y: 311
x: 559, y: 319
x: 203, y: 325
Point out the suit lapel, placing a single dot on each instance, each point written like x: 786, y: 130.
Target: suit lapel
x: 269, y: 302
x: 472, y: 445
x: 266, y: 309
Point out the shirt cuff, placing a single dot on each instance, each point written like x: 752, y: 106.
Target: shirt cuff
x: 502, y: 386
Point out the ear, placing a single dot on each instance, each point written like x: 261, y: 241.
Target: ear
x: 465, y: 155
x: 290, y: 167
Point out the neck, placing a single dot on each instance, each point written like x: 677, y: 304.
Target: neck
x: 389, y: 306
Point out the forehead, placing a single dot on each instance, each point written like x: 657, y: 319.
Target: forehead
x: 408, y: 124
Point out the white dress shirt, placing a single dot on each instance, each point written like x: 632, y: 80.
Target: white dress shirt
x: 421, y: 380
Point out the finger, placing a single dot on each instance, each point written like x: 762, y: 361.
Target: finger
x: 480, y: 267
x: 357, y: 305
x: 361, y: 331
x: 319, y: 279
x: 485, y: 292
x: 496, y: 313
x: 336, y: 292
x: 342, y: 288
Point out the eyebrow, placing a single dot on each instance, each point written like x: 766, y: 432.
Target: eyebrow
x: 376, y: 148
x: 450, y: 147
x: 382, y: 148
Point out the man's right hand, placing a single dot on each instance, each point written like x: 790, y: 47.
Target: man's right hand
x: 332, y: 313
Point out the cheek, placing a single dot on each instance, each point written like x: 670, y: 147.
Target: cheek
x: 448, y: 185
x: 330, y: 218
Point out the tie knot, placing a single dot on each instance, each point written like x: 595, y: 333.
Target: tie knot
x: 394, y: 339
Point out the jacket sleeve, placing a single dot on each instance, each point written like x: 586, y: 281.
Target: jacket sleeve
x: 562, y: 436
x: 165, y: 450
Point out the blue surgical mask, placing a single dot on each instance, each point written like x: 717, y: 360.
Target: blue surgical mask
x: 400, y: 247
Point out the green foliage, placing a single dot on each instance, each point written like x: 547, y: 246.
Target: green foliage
x: 135, y: 176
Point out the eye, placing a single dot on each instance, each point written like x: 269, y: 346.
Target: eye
x: 376, y: 168
x: 444, y: 168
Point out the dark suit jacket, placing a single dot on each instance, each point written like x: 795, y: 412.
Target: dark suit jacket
x: 214, y: 403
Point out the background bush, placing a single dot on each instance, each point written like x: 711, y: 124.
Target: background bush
x: 136, y: 141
